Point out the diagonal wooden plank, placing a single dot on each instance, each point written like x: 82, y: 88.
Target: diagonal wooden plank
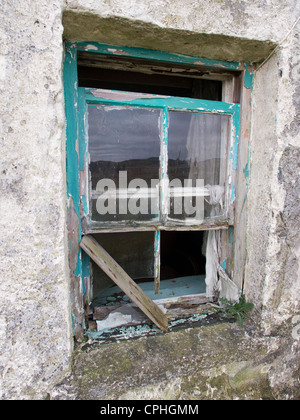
x: 124, y: 281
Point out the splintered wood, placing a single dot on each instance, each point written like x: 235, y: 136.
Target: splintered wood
x: 130, y: 315
x: 98, y: 254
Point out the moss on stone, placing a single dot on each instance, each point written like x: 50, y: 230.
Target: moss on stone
x: 207, y: 362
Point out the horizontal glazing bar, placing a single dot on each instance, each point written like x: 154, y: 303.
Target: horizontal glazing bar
x: 100, y: 96
x: 151, y: 192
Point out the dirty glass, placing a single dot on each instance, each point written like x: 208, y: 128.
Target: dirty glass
x: 124, y: 150
x: 197, y: 154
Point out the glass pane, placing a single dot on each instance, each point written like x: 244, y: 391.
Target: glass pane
x: 197, y: 158
x: 124, y: 148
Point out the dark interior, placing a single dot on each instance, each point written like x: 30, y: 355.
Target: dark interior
x: 146, y: 77
x: 181, y: 254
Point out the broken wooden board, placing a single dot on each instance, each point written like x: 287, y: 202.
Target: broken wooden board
x: 129, y: 314
x: 184, y: 306
x: 125, y: 315
x: 124, y: 281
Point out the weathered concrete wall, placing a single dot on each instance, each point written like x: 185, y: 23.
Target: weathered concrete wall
x: 35, y: 333
x: 35, y: 326
x: 273, y: 266
x: 206, y: 27
x: 272, y: 278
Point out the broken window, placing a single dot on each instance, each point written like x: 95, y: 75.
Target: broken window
x: 156, y: 145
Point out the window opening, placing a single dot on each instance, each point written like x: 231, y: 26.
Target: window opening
x: 183, y: 256
x: 133, y: 75
x: 134, y: 252
x: 182, y: 275
x: 182, y: 265
x: 165, y: 122
x: 124, y: 281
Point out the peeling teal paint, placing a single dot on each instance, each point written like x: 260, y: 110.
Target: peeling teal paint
x: 75, y: 150
x: 73, y: 322
x: 141, y: 330
x: 244, y: 202
x: 94, y: 96
x: 248, y: 76
x: 246, y: 172
x: 230, y: 234
x: 165, y: 122
x: 248, y: 82
x: 235, y: 155
x: 84, y: 204
x: 82, y: 147
x: 78, y: 269
x: 162, y: 56
x: 232, y: 195
x: 236, y: 128
x: 223, y: 265
x: 70, y: 81
x: 157, y: 235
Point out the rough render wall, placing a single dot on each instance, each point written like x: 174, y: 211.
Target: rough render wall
x: 155, y: 20
x: 35, y: 327
x: 35, y: 340
x: 273, y: 237
x: 272, y: 278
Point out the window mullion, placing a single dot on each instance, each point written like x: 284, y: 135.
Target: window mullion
x: 164, y: 167
x: 157, y: 261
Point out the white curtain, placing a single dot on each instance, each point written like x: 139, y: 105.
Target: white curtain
x: 206, y: 146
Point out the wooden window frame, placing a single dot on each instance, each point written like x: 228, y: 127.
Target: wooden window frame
x: 89, y: 96
x: 76, y: 150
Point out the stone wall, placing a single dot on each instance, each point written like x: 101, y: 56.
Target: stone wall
x: 35, y: 320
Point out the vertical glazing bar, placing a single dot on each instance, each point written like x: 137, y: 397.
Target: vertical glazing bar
x: 233, y: 166
x: 164, y: 167
x: 157, y: 261
x: 84, y: 196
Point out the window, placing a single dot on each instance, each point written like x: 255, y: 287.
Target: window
x: 155, y: 181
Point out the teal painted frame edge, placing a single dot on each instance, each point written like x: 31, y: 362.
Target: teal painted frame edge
x: 159, y: 101
x: 72, y: 173
x: 161, y: 56
x: 74, y: 159
x: 70, y: 82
